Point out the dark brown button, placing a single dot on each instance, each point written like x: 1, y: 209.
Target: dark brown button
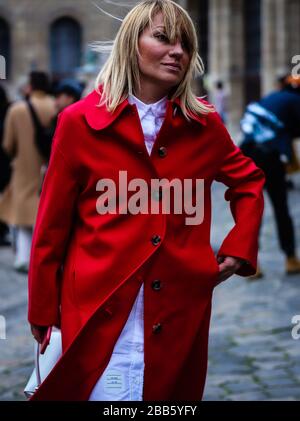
x: 156, y: 285
x: 162, y: 152
x: 156, y: 240
x: 108, y: 311
x: 157, y: 328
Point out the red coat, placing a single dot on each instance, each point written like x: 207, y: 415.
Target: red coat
x: 91, y: 266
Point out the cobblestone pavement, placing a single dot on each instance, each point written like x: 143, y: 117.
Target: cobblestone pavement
x: 252, y: 355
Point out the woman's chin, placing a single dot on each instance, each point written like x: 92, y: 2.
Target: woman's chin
x: 168, y: 81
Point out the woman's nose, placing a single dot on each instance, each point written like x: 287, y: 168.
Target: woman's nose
x: 176, y: 49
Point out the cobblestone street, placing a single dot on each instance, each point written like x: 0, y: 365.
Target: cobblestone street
x: 252, y: 354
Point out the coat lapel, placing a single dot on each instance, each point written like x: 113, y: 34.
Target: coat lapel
x: 98, y: 117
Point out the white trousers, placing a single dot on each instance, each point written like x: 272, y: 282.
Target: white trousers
x: 23, y: 237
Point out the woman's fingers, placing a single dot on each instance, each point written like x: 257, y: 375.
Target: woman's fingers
x: 227, y: 267
x: 223, y: 276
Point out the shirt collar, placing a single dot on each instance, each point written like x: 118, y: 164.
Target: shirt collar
x: 158, y: 108
x: 98, y: 117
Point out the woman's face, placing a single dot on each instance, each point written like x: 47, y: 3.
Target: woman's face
x: 161, y: 62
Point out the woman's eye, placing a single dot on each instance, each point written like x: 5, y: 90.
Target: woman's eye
x: 185, y: 46
x: 161, y: 37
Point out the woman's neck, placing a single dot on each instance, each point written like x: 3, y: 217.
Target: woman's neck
x: 150, y: 94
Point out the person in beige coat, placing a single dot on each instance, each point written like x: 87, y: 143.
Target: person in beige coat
x: 19, y: 201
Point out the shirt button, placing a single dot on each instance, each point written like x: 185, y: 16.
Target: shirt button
x: 157, y: 328
x: 156, y: 240
x: 140, y: 348
x: 156, y: 285
x: 162, y: 152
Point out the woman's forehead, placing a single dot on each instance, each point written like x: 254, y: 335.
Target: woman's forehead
x: 158, y: 19
x: 157, y: 22
x: 175, y: 26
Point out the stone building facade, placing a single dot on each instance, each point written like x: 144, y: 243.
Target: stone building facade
x: 246, y: 44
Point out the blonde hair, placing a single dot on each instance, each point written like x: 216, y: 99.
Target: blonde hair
x: 120, y: 73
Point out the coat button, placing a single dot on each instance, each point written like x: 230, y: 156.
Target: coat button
x: 156, y: 285
x: 157, y: 328
x: 156, y: 240
x: 162, y: 151
x: 108, y: 311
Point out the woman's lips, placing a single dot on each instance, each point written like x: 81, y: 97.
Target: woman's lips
x: 171, y: 66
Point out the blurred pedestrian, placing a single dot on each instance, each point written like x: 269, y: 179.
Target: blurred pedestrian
x: 269, y: 127
x: 221, y: 100
x: 281, y: 81
x: 5, y: 170
x: 19, y: 202
x: 67, y: 92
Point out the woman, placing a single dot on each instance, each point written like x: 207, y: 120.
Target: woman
x: 4, y: 163
x: 20, y: 198
x: 127, y: 276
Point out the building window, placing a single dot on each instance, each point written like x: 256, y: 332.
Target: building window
x: 5, y: 44
x: 252, y: 39
x: 65, y: 47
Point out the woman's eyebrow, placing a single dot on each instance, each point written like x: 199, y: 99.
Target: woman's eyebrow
x: 159, y: 27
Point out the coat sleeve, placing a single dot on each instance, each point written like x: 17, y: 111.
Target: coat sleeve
x: 245, y: 183
x: 52, y: 230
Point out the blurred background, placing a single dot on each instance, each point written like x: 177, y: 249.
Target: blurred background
x: 245, y: 44
x: 247, y: 48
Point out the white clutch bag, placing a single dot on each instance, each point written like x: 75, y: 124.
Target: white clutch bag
x: 44, y: 362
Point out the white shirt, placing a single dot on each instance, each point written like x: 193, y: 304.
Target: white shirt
x: 122, y: 379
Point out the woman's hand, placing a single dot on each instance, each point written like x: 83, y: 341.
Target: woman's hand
x: 228, y: 265
x: 38, y: 332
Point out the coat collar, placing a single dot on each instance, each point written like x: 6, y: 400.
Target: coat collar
x: 99, y: 118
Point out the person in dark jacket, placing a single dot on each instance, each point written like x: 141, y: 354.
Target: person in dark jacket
x: 269, y: 128
x: 19, y: 200
x: 67, y: 92
x: 4, y: 163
